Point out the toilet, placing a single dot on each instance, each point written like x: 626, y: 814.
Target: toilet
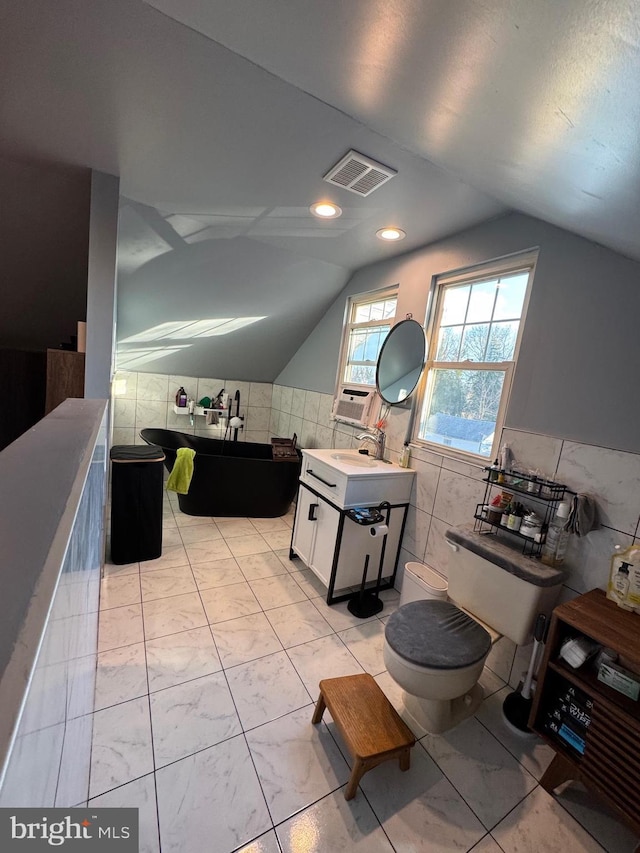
x: 438, y: 640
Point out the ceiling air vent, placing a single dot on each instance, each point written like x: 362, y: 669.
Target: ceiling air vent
x: 359, y: 174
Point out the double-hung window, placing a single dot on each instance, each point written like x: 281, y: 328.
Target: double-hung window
x: 369, y: 319
x: 473, y: 344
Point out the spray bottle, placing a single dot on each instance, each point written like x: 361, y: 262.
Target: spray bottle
x: 555, y: 544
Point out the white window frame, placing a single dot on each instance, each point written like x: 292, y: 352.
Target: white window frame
x: 353, y: 302
x: 524, y: 262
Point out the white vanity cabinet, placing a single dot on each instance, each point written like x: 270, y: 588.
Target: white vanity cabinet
x: 330, y: 543
x: 315, y: 533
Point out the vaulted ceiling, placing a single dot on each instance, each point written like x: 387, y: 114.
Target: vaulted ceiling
x: 221, y: 119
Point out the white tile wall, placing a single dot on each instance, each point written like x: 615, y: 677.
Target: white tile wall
x: 260, y: 394
x: 541, y: 452
x: 147, y: 399
x: 152, y: 386
x: 307, y: 413
x: 612, y: 475
x: 445, y: 491
x: 298, y: 401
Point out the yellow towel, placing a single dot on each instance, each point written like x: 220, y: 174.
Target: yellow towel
x: 182, y: 471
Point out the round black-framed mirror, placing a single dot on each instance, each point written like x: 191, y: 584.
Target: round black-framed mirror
x: 401, y: 362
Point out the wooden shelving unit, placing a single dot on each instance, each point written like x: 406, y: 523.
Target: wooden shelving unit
x: 65, y: 377
x: 609, y: 763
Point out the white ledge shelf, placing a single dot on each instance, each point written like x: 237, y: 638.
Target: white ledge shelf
x: 201, y: 410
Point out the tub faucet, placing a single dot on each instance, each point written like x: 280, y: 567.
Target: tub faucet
x: 378, y: 440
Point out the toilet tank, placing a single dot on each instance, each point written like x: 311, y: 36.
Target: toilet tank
x: 499, y: 585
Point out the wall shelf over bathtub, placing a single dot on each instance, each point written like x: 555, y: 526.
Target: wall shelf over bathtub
x: 201, y: 410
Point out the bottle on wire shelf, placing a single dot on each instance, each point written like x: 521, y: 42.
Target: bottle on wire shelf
x: 555, y: 543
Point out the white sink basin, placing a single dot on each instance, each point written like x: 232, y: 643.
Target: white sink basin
x: 358, y: 459
x: 348, y: 478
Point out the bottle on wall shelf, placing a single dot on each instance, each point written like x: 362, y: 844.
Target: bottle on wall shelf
x: 181, y: 398
x: 405, y: 456
x: 555, y: 544
x: 505, y: 458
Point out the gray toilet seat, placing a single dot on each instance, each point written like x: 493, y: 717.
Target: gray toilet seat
x: 436, y: 635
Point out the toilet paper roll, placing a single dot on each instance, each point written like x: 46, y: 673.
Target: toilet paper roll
x: 378, y: 530
x: 82, y: 336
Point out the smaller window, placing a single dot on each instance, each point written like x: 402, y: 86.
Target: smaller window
x: 474, y: 342
x: 369, y: 319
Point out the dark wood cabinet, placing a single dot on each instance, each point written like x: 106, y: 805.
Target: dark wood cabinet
x: 32, y: 384
x: 605, y: 756
x: 22, y: 391
x: 65, y: 377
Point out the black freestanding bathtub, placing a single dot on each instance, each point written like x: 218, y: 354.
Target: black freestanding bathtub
x: 230, y: 478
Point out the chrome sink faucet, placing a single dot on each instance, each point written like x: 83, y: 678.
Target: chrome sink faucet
x: 378, y: 441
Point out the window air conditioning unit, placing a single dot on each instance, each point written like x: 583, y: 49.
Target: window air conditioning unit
x: 353, y: 406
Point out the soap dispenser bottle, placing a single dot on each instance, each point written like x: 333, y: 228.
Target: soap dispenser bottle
x: 624, y: 578
x: 181, y: 398
x: 621, y: 581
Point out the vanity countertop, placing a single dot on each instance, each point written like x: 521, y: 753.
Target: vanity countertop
x: 355, y: 464
x: 349, y: 479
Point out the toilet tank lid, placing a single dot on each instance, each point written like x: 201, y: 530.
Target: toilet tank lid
x: 436, y: 634
x: 496, y: 551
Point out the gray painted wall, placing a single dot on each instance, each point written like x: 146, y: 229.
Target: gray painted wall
x: 235, y: 277
x: 101, y: 285
x: 578, y: 367
x: 44, y: 222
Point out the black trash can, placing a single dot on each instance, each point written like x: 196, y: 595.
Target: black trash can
x: 136, y: 502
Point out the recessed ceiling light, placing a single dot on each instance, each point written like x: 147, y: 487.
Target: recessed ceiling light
x: 390, y: 234
x: 326, y: 210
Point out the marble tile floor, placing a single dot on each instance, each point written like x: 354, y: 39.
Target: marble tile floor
x: 208, y: 666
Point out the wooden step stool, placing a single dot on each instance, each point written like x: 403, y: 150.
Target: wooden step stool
x: 370, y: 726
